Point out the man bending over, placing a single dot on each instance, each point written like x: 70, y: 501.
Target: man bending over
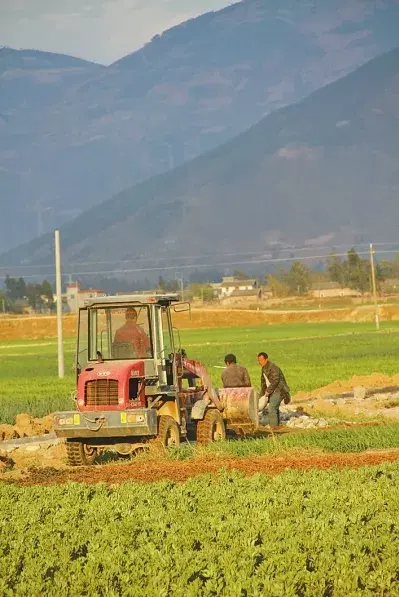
x: 235, y: 376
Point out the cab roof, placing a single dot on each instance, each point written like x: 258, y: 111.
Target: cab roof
x: 132, y: 299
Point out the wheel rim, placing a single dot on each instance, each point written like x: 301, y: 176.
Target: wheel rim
x: 217, y: 431
x: 171, y: 439
x: 89, y: 451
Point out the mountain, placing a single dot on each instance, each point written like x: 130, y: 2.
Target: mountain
x: 33, y: 85
x: 75, y: 133
x: 326, y: 166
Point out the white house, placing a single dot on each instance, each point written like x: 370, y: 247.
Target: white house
x: 75, y: 297
x: 231, y: 285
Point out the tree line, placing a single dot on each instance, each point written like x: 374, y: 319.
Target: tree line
x: 17, y: 293
x: 351, y: 272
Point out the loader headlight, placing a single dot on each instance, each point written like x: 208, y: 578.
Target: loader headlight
x: 132, y: 418
x: 72, y: 420
x: 65, y: 421
x: 135, y: 418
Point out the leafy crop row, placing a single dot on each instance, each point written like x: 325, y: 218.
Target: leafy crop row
x: 319, y: 533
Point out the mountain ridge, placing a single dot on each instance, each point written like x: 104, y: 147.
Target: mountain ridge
x: 340, y: 144
x: 83, y: 136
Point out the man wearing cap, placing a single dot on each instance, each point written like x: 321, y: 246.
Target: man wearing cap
x: 274, y: 389
x: 133, y: 333
x: 235, y: 376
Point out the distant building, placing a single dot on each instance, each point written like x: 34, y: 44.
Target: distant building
x: 22, y: 306
x: 390, y: 286
x: 231, y: 286
x: 332, y: 290
x: 216, y: 286
x: 75, y: 297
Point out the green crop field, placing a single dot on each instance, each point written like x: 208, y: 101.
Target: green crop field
x: 312, y: 355
x: 295, y: 534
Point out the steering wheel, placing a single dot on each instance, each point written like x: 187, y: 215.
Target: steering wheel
x: 123, y: 350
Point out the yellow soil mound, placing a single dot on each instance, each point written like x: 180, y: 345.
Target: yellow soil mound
x: 26, y: 426
x: 375, y: 380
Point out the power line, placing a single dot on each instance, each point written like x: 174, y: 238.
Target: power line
x: 198, y: 256
x: 204, y: 265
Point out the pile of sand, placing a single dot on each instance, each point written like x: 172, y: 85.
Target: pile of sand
x: 375, y: 380
x: 26, y: 426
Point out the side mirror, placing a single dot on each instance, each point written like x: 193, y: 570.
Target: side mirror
x: 181, y: 307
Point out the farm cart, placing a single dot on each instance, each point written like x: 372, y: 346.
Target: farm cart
x: 137, y: 384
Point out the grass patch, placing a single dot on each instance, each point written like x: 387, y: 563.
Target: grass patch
x: 311, y: 355
x: 353, y: 439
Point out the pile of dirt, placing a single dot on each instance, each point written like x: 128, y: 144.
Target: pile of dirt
x: 158, y: 470
x: 6, y: 464
x: 373, y: 381
x: 26, y: 426
x: 7, y: 432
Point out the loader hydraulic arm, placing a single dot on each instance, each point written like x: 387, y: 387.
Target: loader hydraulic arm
x: 200, y: 371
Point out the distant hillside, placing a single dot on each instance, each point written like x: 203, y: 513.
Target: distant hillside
x: 328, y: 165
x: 28, y: 77
x: 74, y: 133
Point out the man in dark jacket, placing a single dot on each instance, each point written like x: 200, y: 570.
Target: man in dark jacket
x: 274, y: 389
x: 235, y: 376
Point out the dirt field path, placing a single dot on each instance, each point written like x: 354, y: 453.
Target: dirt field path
x: 146, y: 471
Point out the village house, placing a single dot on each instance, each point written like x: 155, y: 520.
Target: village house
x: 332, y: 290
x: 75, y: 297
x: 234, y: 290
x: 232, y: 286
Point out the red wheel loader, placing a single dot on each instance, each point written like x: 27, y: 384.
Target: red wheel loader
x: 134, y: 383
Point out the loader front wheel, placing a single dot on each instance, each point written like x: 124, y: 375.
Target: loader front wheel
x: 211, y: 428
x: 168, y: 431
x: 80, y: 454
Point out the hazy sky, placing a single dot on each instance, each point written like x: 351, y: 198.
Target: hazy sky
x: 99, y: 30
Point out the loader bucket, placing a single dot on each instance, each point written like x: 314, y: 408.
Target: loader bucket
x: 240, y: 406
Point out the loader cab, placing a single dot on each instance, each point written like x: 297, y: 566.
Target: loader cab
x: 129, y: 328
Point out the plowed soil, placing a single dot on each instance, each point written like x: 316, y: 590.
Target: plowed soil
x: 45, y: 326
x: 157, y: 470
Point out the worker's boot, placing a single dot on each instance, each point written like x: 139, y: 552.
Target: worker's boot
x: 264, y: 418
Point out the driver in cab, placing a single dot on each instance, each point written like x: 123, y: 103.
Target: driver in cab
x: 132, y: 333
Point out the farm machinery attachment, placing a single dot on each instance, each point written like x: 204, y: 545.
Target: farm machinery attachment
x: 134, y: 383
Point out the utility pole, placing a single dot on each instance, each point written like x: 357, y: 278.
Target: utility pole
x: 179, y: 278
x: 377, y: 320
x: 59, y: 304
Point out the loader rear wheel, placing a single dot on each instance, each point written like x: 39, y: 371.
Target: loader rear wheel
x: 80, y: 454
x: 211, y: 428
x: 168, y: 431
